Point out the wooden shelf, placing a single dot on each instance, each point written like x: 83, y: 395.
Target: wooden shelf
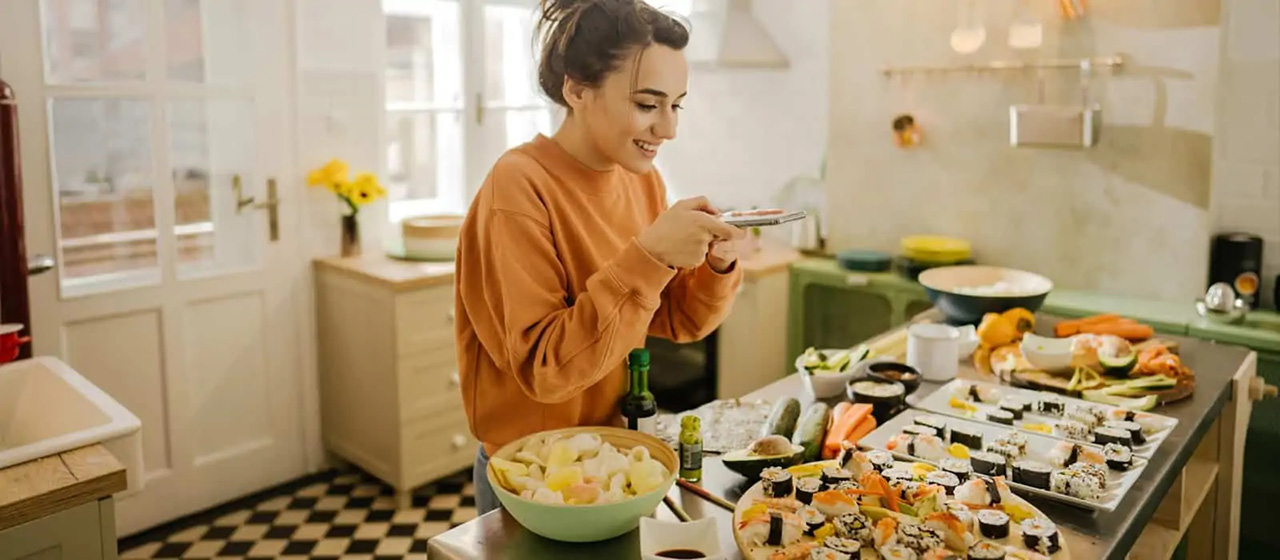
x: 1176, y: 513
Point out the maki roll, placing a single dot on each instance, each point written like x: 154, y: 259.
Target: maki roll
x: 856, y: 527
x: 847, y: 485
x: 847, y: 546
x: 897, y: 552
x: 1032, y: 473
x: 1014, y: 439
x: 1085, y: 414
x: 987, y: 463
x: 993, y: 524
x: 1000, y: 416
x: 919, y: 430
x: 833, y: 476
x: 986, y: 550
x: 1012, y: 405
x: 947, y: 480
x: 1118, y: 457
x: 1008, y: 451
x: 918, y: 537
x: 898, y: 473
x: 940, y: 554
x: 777, y: 482
x: 1104, y: 435
x: 824, y: 553
x: 958, y: 467
x: 1134, y: 429
x: 880, y: 460
x: 967, y: 437
x: 1072, y: 429
x: 930, y: 421
x: 812, y: 518
x: 1050, y: 406
x: 806, y: 488
x: 1077, y: 483
x: 1040, y: 535
x: 1067, y: 453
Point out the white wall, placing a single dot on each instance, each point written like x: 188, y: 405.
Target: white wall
x: 745, y: 133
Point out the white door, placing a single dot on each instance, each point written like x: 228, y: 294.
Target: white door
x: 138, y: 120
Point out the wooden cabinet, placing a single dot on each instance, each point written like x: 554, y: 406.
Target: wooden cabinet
x: 389, y: 387
x: 752, y: 340
x: 84, y: 532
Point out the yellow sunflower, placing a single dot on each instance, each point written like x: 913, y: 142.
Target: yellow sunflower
x: 331, y: 174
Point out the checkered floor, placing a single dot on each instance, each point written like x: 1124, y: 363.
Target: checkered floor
x: 332, y: 515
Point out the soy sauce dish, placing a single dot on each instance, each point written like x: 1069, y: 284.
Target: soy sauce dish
x: 663, y: 540
x: 885, y: 397
x: 902, y: 373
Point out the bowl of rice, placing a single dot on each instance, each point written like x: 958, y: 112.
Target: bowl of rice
x: 965, y: 293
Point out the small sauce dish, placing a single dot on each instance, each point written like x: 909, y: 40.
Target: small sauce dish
x: 664, y: 540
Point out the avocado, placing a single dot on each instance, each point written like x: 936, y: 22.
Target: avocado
x: 748, y: 464
x: 811, y: 429
x: 782, y: 420
x: 1118, y: 365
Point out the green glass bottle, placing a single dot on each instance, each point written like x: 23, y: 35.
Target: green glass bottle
x: 691, y: 448
x: 639, y: 407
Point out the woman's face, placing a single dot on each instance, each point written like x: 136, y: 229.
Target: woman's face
x: 634, y: 110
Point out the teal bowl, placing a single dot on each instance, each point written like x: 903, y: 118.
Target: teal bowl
x: 587, y: 523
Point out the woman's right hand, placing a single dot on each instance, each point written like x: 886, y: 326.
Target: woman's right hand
x: 680, y: 236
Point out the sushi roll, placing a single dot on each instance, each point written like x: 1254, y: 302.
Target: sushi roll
x: 840, y: 544
x: 1072, y: 429
x: 806, y: 488
x: 987, y: 463
x: 1015, y: 439
x: 930, y: 421
x: 775, y: 529
x: 847, y: 485
x: 958, y: 467
x: 946, y: 479
x: 856, y: 527
x: 967, y: 437
x: 941, y: 554
x: 1032, y: 473
x: 986, y: 550
x: 1097, y: 472
x: 1010, y: 452
x: 919, y: 537
x: 919, y: 430
x: 993, y: 524
x: 812, y: 518
x: 1012, y: 405
x: 833, y: 476
x: 832, y: 503
x: 1077, y: 483
x: 1050, y: 406
x: 1040, y: 535
x: 1000, y: 416
x: 880, y: 460
x: 1103, y: 436
x: 824, y: 553
x: 897, y: 552
x: 777, y: 482
x: 1086, y: 414
x: 898, y: 473
x: 1118, y: 457
x: 1134, y: 429
x: 1067, y: 453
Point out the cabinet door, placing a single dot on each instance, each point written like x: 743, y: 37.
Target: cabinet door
x: 1261, y: 489
x: 74, y: 534
x: 842, y: 317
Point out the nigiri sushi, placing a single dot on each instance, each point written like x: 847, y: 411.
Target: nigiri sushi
x: 924, y: 446
x: 978, y: 492
x: 832, y: 503
x: 1067, y: 453
x: 858, y: 463
x: 886, y: 532
x: 1150, y: 423
x: 774, y: 529
x: 978, y: 393
x: 955, y: 535
x: 797, y: 551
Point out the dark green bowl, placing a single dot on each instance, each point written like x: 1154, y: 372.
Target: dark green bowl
x: 944, y: 287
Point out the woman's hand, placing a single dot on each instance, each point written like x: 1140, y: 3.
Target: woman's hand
x: 721, y: 255
x: 682, y: 235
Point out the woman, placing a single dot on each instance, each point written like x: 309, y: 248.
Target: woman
x: 568, y: 256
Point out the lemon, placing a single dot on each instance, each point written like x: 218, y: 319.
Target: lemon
x: 959, y: 451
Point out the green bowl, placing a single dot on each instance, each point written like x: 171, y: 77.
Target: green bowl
x: 589, y: 523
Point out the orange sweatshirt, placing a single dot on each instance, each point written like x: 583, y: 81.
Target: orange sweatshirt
x: 553, y: 291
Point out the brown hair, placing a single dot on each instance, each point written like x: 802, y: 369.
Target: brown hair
x: 585, y: 40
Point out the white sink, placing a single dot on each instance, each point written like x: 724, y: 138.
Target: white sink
x: 47, y: 408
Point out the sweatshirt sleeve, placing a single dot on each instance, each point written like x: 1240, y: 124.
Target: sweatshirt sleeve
x: 695, y: 303
x: 555, y: 347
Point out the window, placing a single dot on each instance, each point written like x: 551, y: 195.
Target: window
x: 459, y: 91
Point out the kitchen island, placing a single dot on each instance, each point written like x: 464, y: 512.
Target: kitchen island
x: 1190, y: 485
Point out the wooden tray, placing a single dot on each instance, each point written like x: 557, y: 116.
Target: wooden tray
x: 756, y: 492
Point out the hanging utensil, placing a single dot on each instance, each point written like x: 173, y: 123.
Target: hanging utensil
x: 969, y: 34
x: 1025, y: 32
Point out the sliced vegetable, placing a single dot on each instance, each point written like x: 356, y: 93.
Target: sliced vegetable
x: 862, y: 429
x: 844, y: 418
x: 1072, y: 327
x: 1126, y: 330
x: 1097, y: 395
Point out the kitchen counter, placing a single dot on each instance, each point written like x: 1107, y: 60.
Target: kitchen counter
x: 1091, y: 535
x: 46, y: 486
x: 398, y: 275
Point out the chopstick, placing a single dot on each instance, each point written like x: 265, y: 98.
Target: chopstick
x: 704, y: 494
x: 680, y: 513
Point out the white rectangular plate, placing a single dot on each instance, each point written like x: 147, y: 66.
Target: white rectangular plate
x: 939, y: 402
x: 1038, y: 447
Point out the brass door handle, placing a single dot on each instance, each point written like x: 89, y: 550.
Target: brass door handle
x: 272, y: 206
x: 237, y: 187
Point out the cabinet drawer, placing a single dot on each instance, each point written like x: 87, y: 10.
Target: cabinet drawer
x: 438, y: 442
x: 428, y: 383
x: 424, y: 320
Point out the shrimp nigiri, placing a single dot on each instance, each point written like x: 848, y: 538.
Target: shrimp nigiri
x: 886, y: 532
x: 832, y: 503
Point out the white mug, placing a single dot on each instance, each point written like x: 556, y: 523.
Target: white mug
x: 932, y: 349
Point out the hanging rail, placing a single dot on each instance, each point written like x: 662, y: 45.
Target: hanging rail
x: 1115, y: 61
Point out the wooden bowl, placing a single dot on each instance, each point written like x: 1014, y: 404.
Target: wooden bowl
x: 431, y: 237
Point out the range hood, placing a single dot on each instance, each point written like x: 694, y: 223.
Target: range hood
x: 727, y: 35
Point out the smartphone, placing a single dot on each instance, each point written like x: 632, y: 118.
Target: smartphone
x: 761, y: 218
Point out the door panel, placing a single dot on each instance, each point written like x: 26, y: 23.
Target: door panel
x: 228, y: 372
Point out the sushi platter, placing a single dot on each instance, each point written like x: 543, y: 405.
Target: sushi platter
x: 843, y: 510
x: 1083, y: 475
x: 1051, y: 414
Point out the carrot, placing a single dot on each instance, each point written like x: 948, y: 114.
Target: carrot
x: 862, y: 429
x: 890, y: 495
x: 843, y: 420
x: 1127, y: 331
x: 1073, y: 326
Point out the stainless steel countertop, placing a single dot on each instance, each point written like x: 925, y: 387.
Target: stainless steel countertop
x: 497, y: 535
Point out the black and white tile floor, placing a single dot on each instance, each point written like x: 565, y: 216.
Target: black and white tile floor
x: 332, y: 515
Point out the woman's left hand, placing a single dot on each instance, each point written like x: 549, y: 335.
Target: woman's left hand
x: 722, y: 254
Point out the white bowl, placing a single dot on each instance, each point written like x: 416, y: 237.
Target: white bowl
x: 1047, y: 354
x: 825, y: 385
x: 968, y: 340
x: 656, y: 536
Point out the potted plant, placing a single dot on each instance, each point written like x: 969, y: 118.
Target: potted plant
x: 353, y: 192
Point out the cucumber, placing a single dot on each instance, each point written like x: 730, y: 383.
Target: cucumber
x: 782, y: 420
x: 811, y: 429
